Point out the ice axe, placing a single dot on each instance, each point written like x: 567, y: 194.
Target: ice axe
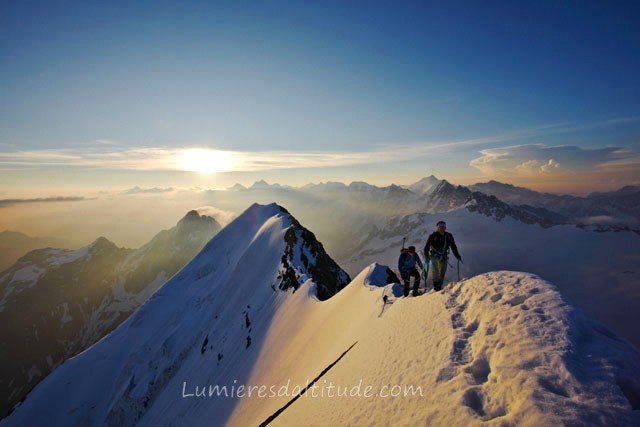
x: 403, y: 250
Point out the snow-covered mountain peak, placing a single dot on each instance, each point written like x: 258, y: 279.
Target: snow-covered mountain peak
x: 301, y: 256
x: 425, y: 186
x: 446, y: 196
x: 361, y: 186
x: 443, y: 185
x: 237, y: 187
x: 262, y: 184
x: 333, y: 185
x: 208, y: 321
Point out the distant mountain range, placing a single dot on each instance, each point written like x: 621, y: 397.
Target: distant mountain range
x: 54, y: 303
x: 619, y: 208
x: 613, y: 210
x: 343, y: 214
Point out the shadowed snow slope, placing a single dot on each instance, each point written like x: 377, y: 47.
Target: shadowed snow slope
x: 502, y: 347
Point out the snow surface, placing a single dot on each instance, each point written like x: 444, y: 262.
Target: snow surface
x: 27, y: 276
x: 59, y: 257
x: 118, y: 302
x: 66, y: 317
x: 502, y: 348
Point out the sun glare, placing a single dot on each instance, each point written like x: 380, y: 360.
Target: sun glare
x: 206, y: 161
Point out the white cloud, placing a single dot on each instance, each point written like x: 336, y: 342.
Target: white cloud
x: 530, y: 167
x: 106, y: 142
x: 222, y: 216
x: 550, y: 166
x: 10, y: 202
x: 539, y: 159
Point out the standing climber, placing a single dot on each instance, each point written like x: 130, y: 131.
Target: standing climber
x: 407, y: 266
x: 437, y: 248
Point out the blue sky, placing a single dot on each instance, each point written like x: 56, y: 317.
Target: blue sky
x: 406, y: 89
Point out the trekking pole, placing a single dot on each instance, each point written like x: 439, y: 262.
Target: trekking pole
x: 403, y: 240
x: 458, y: 270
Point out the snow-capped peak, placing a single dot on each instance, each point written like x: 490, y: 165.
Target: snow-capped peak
x: 237, y: 187
x: 425, y: 186
x: 361, y: 186
x: 262, y: 184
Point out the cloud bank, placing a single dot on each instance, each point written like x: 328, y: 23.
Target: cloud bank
x: 10, y: 202
x: 539, y: 159
x: 538, y: 163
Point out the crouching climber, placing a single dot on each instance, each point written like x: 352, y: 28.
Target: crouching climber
x: 407, y: 266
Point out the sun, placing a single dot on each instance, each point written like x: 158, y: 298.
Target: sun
x: 205, y: 160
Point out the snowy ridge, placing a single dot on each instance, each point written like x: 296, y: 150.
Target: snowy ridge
x: 502, y: 347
